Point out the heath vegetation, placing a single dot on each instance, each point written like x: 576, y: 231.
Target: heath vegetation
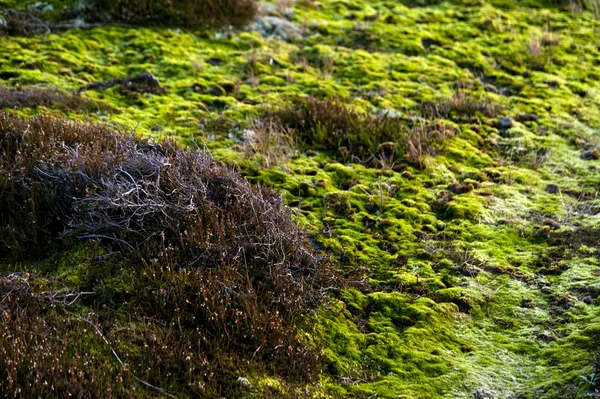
x: 358, y: 199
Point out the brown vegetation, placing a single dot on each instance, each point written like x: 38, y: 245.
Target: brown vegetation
x: 269, y: 141
x: 33, y: 97
x: 212, y: 271
x: 20, y: 23
x: 460, y: 105
x: 379, y: 140
x: 184, y: 13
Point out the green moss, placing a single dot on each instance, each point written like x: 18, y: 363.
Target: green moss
x: 451, y: 300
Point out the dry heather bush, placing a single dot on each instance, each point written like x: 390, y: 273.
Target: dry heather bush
x: 331, y: 125
x: 20, y: 23
x: 32, y: 97
x: 205, y: 258
x: 426, y: 138
x: 460, y: 106
x: 184, y: 13
x: 376, y: 140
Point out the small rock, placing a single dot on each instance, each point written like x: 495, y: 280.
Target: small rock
x: 527, y: 303
x: 484, y: 394
x: 145, y: 82
x: 505, y: 123
x: 145, y: 78
x: 40, y: 8
x: 546, y: 336
x: 393, y: 249
x: 552, y: 188
x: 590, y: 155
x: 546, y: 290
x: 401, y: 260
x: 244, y: 382
x: 552, y: 224
x: 430, y: 42
x: 276, y: 28
x: 215, y: 61
x: 217, y: 91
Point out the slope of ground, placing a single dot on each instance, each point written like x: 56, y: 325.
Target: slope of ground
x: 478, y: 262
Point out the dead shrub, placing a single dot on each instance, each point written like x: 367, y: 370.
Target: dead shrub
x: 200, y: 252
x: 460, y: 106
x: 184, y: 13
x: 18, y: 23
x: 377, y: 140
x: 33, y: 97
x: 426, y: 138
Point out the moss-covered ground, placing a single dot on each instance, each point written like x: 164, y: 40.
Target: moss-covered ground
x: 481, y: 266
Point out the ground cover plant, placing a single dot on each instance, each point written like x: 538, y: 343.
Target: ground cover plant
x: 376, y: 140
x: 183, y: 13
x: 442, y: 155
x: 42, y: 18
x: 210, y: 258
x: 34, y: 97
